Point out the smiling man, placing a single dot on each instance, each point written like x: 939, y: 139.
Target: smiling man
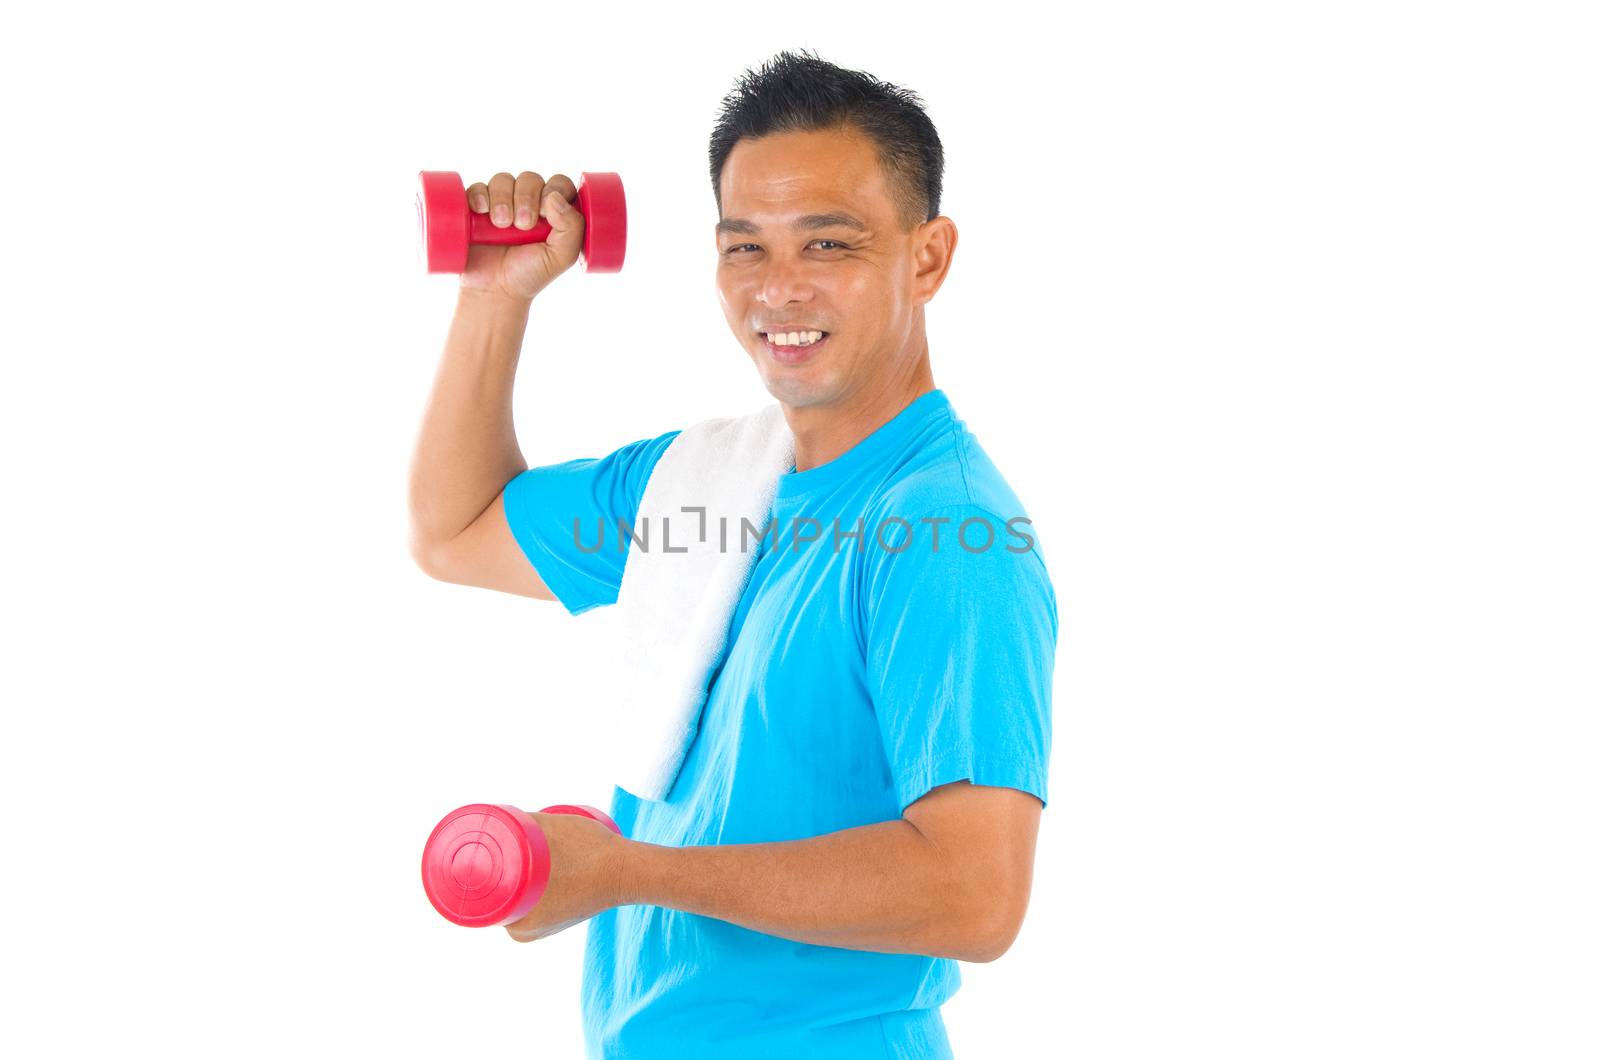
x: 859, y: 807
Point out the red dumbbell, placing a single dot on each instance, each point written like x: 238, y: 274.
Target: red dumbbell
x: 448, y: 227
x: 486, y: 865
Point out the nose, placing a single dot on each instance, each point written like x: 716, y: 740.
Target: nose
x: 781, y: 282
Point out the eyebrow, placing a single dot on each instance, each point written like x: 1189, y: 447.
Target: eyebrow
x: 740, y: 226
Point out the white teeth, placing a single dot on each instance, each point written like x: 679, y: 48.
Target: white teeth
x: 794, y: 338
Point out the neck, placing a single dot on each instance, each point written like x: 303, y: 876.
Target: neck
x: 825, y: 432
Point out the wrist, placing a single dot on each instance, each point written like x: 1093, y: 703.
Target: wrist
x: 630, y: 872
x: 481, y: 299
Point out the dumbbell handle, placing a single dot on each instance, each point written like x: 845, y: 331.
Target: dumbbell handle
x: 484, y: 232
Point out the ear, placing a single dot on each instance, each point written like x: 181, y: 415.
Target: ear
x: 932, y: 248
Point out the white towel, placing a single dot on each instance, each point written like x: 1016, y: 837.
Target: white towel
x: 674, y: 609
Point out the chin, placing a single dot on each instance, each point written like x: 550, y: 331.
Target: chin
x: 799, y: 394
x: 799, y: 385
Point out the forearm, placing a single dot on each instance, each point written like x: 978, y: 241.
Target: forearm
x: 467, y: 448
x: 882, y: 887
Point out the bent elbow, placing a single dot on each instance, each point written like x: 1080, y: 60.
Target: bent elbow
x: 992, y: 937
x: 431, y: 558
x: 991, y: 947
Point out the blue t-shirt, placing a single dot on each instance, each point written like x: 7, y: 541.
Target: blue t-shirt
x: 857, y: 678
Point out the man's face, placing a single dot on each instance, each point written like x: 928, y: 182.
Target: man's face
x: 810, y: 240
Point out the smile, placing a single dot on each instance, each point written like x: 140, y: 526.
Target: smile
x: 793, y: 353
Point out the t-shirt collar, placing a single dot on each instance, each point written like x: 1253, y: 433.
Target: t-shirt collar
x: 859, y: 456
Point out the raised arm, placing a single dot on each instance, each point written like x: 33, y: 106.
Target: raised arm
x: 467, y: 448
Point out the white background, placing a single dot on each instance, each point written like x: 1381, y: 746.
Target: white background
x: 1280, y: 318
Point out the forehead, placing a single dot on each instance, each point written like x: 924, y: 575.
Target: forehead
x: 776, y: 177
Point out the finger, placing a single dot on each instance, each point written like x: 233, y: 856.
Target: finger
x: 478, y: 197
x: 566, y: 223
x: 562, y: 183
x: 500, y: 188
x: 525, y: 199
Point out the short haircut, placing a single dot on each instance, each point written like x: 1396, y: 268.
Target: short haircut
x: 802, y: 93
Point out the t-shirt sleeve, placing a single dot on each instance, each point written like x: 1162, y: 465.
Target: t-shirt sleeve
x: 960, y: 652
x: 565, y: 519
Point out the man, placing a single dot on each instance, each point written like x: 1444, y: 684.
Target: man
x: 859, y: 807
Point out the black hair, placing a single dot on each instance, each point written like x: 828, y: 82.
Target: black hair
x: 803, y: 93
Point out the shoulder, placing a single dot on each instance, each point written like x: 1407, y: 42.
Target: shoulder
x: 949, y: 476
x: 637, y: 461
x: 649, y: 450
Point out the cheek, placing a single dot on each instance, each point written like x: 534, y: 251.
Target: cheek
x: 866, y: 297
x: 864, y: 289
x: 735, y: 289
x: 732, y: 301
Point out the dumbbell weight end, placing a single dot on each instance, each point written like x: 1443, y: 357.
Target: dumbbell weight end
x: 487, y: 864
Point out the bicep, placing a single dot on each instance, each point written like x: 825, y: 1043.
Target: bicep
x: 959, y: 650
x: 546, y: 535
x: 486, y: 554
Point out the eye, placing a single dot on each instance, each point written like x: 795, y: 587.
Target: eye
x: 833, y: 244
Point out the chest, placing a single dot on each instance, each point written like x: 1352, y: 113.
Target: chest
x: 794, y: 675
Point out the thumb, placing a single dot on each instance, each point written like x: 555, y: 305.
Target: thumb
x: 566, y: 227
